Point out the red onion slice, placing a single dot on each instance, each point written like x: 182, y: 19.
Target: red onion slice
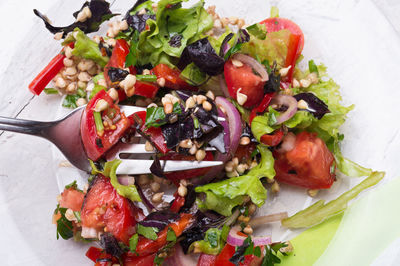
x: 234, y: 239
x: 287, y: 101
x: 254, y: 64
x: 126, y: 180
x: 234, y: 122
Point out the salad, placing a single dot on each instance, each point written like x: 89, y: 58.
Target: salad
x: 213, y: 88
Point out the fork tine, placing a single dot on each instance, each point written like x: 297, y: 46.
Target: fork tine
x: 134, y: 149
x: 136, y: 167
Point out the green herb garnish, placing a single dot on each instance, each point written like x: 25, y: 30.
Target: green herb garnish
x: 147, y: 232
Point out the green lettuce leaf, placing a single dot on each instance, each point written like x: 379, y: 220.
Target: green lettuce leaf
x: 264, y: 124
x: 212, y: 243
x: 272, y: 48
x: 223, y: 196
x: 319, y: 211
x: 302, y: 119
x: 154, y: 45
x: 87, y: 48
x: 110, y: 170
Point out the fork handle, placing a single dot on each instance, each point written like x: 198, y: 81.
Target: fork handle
x: 35, y: 128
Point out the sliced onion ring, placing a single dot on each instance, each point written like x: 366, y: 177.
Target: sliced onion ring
x: 288, y: 143
x: 234, y: 239
x: 288, y: 101
x: 254, y: 64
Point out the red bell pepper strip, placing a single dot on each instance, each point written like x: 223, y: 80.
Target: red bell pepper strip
x: 177, y: 203
x: 262, y: 106
x: 172, y: 78
x: 154, y: 133
x: 147, y: 246
x: 40, y: 82
x: 292, y: 55
x: 272, y: 139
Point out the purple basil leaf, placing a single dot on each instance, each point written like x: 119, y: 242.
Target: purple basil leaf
x: 160, y: 219
x: 225, y: 45
x: 315, y: 105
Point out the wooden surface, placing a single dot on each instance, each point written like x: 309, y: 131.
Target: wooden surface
x: 28, y: 188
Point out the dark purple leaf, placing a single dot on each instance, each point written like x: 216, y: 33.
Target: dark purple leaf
x: 100, y: 12
x: 203, y: 55
x: 175, y: 40
x: 225, y: 45
x: 138, y: 22
x: 190, y: 198
x: 156, y: 168
x: 160, y: 219
x: 315, y: 105
x: 110, y: 244
x: 117, y: 74
x: 243, y: 36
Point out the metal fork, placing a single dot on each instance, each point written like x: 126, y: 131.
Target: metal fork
x: 65, y: 134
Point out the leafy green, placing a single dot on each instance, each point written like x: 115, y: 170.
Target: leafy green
x: 64, y: 226
x: 110, y: 169
x: 223, y: 196
x: 72, y: 185
x: 155, y: 44
x: 312, y: 66
x: 156, y: 117
x: 212, y: 243
x: 95, y: 90
x: 77, y: 216
x: 171, y: 236
x: 193, y: 75
x: 98, y: 77
x: 272, y: 48
x: 348, y: 167
x: 271, y: 254
x: 147, y: 78
x: 302, y: 119
x: 131, y: 57
x: 133, y: 241
x: 87, y: 48
x: 70, y: 101
x: 247, y: 248
x: 147, y: 232
x: 264, y: 124
x: 49, y: 91
x: 274, y: 13
x: 319, y: 211
x: 258, y: 30
x: 243, y: 111
x: 233, y: 50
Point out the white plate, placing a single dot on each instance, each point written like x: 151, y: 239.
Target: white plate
x: 352, y: 38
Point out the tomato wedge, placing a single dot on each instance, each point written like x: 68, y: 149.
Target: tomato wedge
x: 103, y: 207
x: 172, y: 78
x: 296, y: 40
x: 307, y: 165
x: 95, y: 145
x: 72, y: 199
x: 244, y: 79
x: 272, y: 139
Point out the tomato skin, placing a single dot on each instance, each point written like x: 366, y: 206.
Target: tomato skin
x: 145, y: 89
x: 243, y: 78
x: 175, y: 177
x: 154, y: 133
x: 177, y: 203
x: 310, y: 160
x: 104, y: 207
x: 72, y: 199
x: 147, y: 246
x: 272, y: 139
x: 172, y: 78
x: 89, y: 132
x: 94, y: 253
x: 206, y: 260
x: 117, y: 59
x: 227, y: 253
x: 296, y: 41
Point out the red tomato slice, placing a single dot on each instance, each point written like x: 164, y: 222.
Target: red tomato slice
x: 145, y: 89
x: 138, y: 261
x: 110, y: 137
x: 154, y: 133
x: 206, y: 260
x: 227, y: 253
x: 243, y: 78
x: 117, y: 59
x: 296, y: 41
x: 104, y: 207
x: 94, y: 253
x: 187, y: 174
x: 72, y: 199
x: 307, y: 165
x: 172, y: 78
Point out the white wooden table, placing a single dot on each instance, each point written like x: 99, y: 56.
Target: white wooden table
x: 28, y: 187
